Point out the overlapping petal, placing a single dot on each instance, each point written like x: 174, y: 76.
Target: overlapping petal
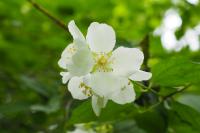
x: 113, y: 87
x: 66, y: 56
x: 100, y: 37
x: 126, y: 60
x: 75, y: 88
x: 76, y: 57
x: 65, y: 77
x: 104, y: 84
x: 126, y: 93
x: 82, y: 61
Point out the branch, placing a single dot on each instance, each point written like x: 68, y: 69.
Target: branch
x: 145, y: 98
x: 166, y: 97
x: 175, y: 92
x: 45, y: 12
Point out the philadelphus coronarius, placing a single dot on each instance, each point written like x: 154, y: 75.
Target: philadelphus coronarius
x: 94, y: 70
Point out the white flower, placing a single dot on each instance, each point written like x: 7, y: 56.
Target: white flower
x: 80, y: 128
x: 104, y: 74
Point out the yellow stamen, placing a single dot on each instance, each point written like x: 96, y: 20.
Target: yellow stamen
x: 85, y: 89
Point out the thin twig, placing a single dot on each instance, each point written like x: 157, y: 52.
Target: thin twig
x: 141, y: 85
x: 175, y: 92
x: 146, y: 89
x: 45, y: 12
x: 166, y: 97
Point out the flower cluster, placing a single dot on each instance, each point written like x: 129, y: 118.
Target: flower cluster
x: 94, y: 70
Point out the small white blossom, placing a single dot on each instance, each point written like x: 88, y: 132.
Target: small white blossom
x: 80, y: 128
x: 95, y: 70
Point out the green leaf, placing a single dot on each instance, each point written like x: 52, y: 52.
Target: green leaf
x: 52, y: 106
x: 128, y: 126
x: 138, y: 90
x: 14, y: 108
x: 112, y: 111
x: 191, y: 100
x: 151, y: 121
x: 183, y: 119
x: 176, y: 72
x: 34, y: 85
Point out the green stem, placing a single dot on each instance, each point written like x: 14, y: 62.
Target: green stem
x: 50, y: 16
x: 164, y: 98
x: 176, y: 92
x: 146, y: 89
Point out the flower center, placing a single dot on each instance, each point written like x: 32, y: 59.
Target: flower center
x: 103, y: 63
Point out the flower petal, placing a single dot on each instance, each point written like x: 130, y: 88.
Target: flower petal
x: 65, y: 77
x: 126, y: 60
x: 95, y: 105
x: 82, y: 61
x: 66, y: 55
x: 75, y: 89
x: 126, y: 95
x: 100, y: 37
x: 75, y: 32
x: 62, y: 63
x: 140, y: 76
x: 98, y: 103
x: 103, y: 84
x: 77, y: 130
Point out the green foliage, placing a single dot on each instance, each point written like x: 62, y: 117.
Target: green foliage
x: 85, y: 113
x: 191, y: 100
x: 183, y: 119
x: 176, y: 71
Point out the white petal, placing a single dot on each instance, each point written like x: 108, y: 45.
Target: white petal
x: 82, y: 130
x: 65, y: 77
x: 87, y: 79
x: 126, y: 60
x: 126, y: 95
x: 104, y: 102
x: 75, y: 32
x: 140, y: 76
x: 100, y: 37
x: 104, y: 84
x: 95, y: 105
x: 98, y: 103
x: 67, y: 55
x: 82, y: 61
x: 62, y: 63
x: 77, y: 131
x: 77, y: 58
x: 74, y: 88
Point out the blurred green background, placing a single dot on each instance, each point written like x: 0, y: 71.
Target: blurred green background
x: 32, y: 97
